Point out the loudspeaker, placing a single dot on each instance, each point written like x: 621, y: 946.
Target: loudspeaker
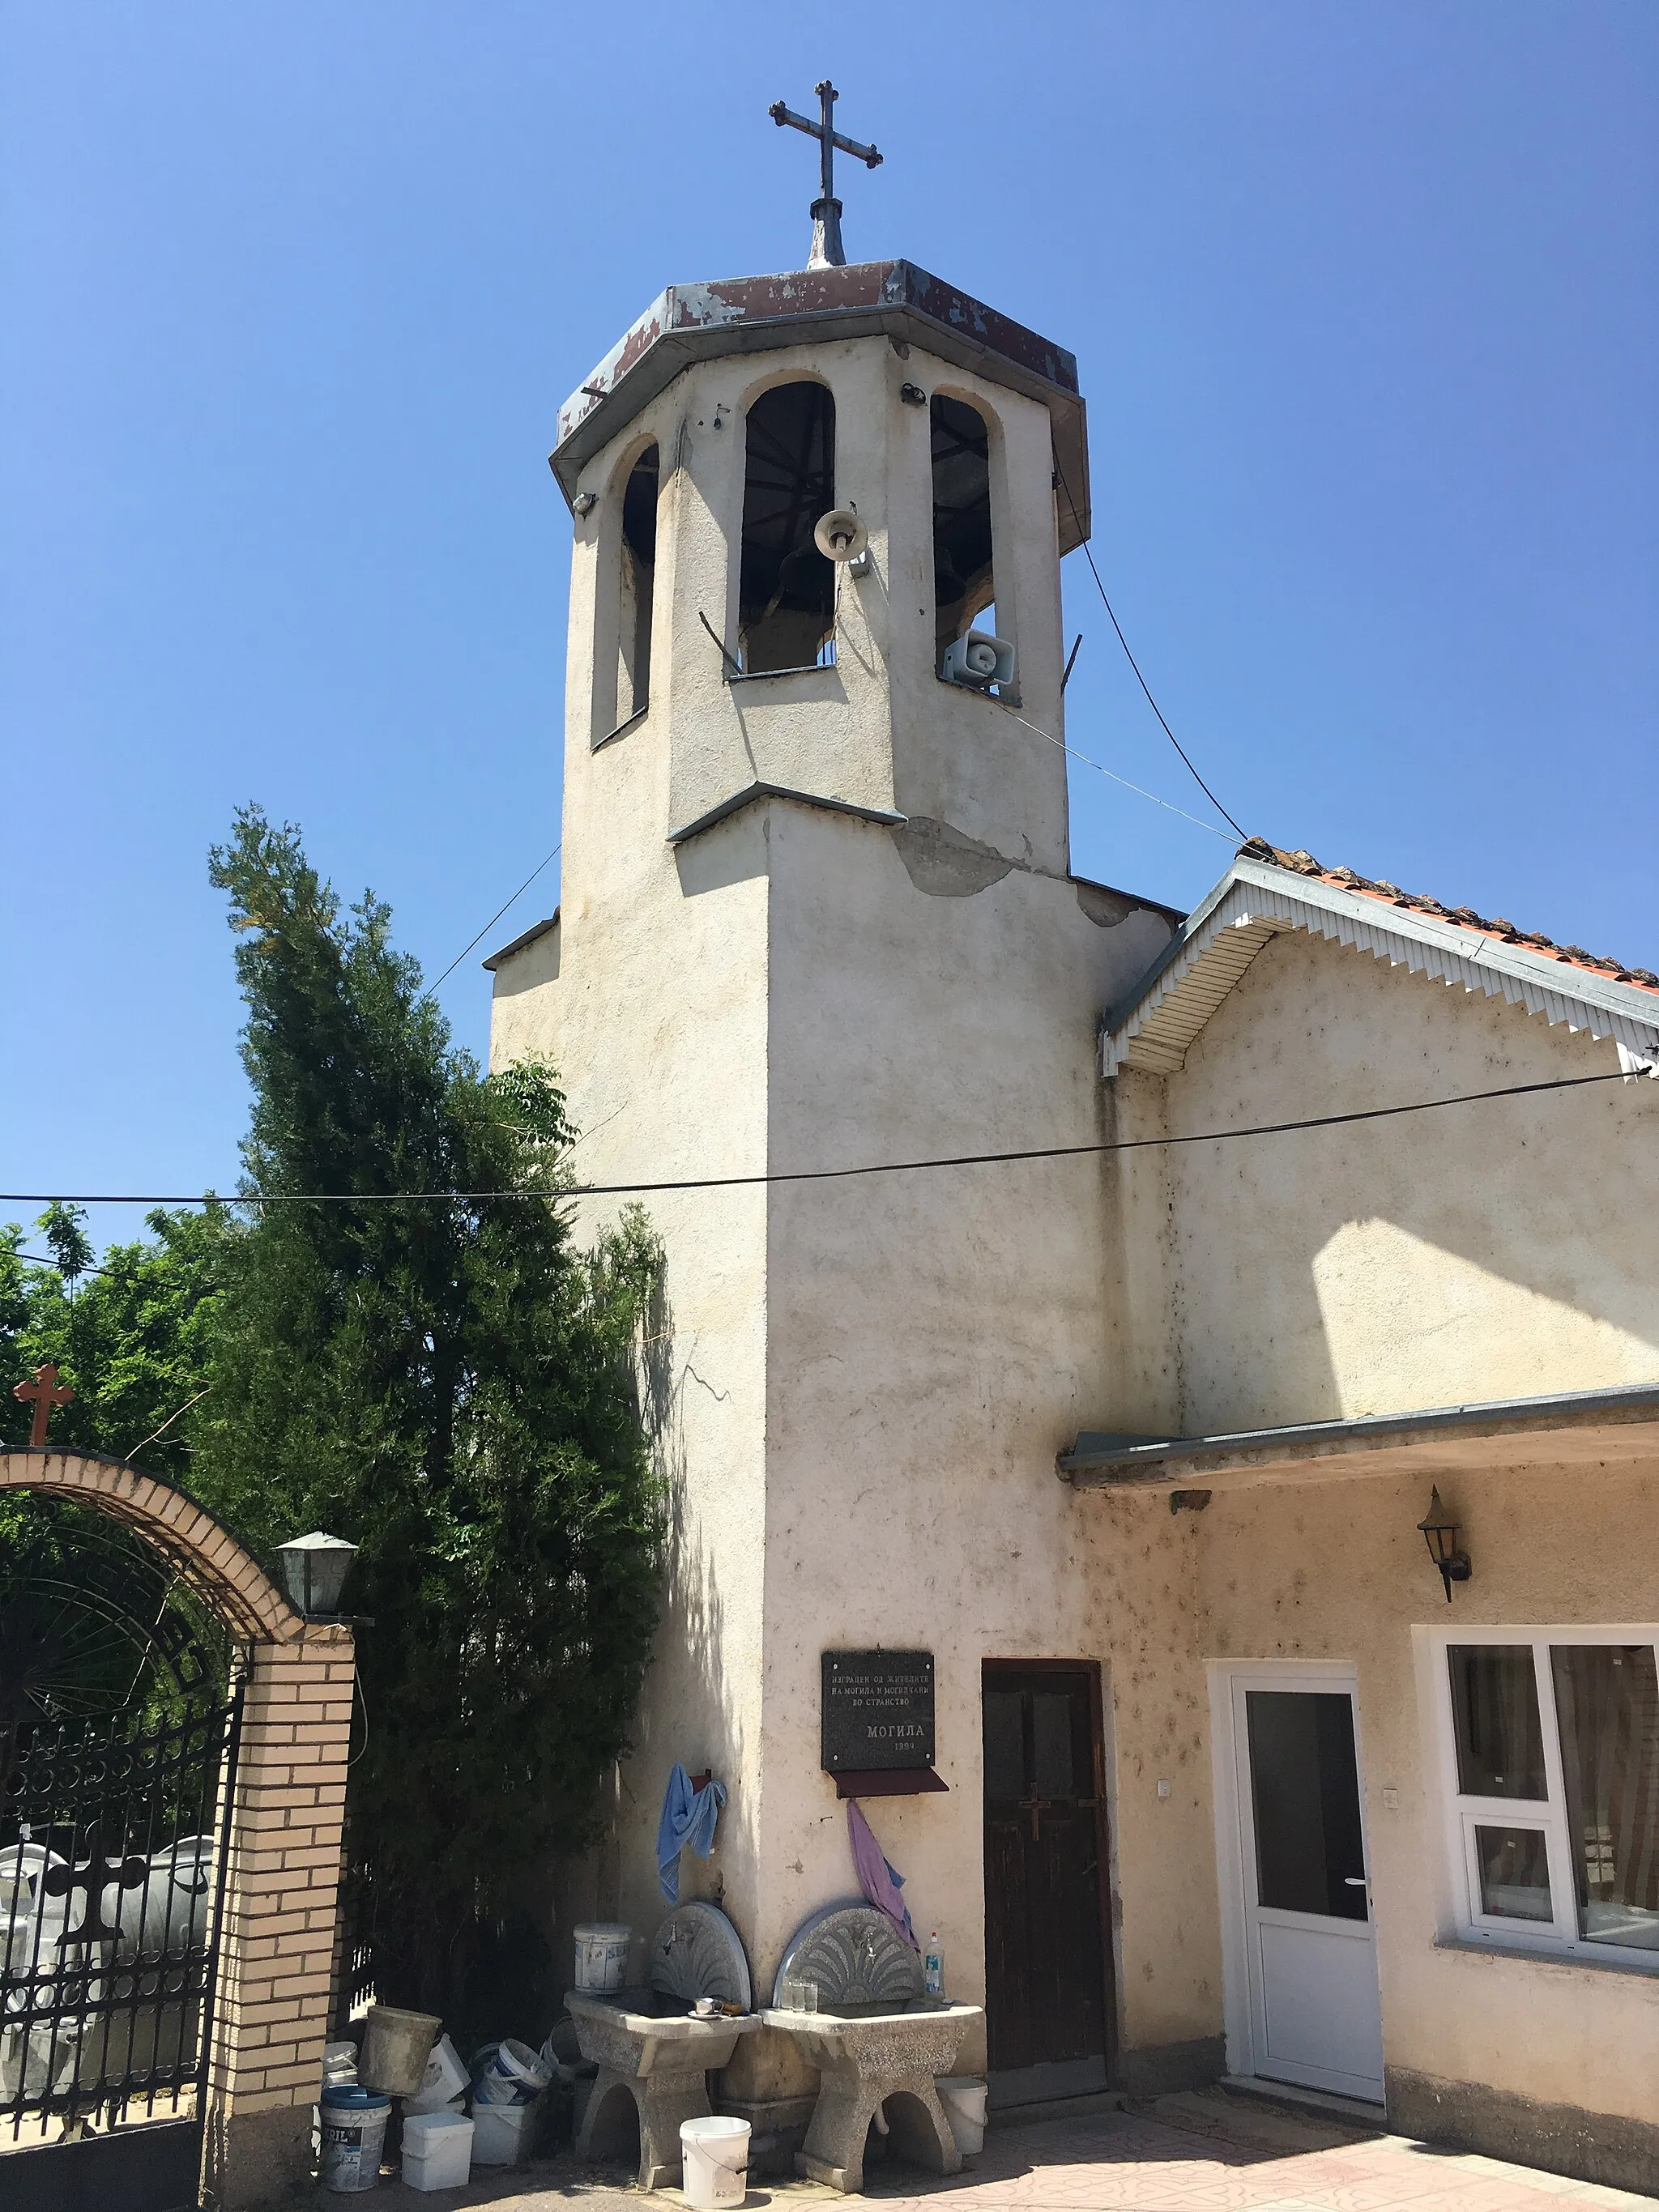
x: 839, y: 535
x: 979, y: 660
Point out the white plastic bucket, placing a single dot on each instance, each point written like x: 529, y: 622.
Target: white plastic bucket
x: 602, y: 1954
x: 353, y: 2128
x: 437, y: 2150
x: 395, y: 2047
x: 714, y: 2161
x: 444, y: 2080
x: 964, y: 2100
x: 339, y: 2065
x: 500, y: 2133
x: 514, y: 2076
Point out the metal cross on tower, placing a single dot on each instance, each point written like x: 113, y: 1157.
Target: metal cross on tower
x: 826, y: 250
x: 48, y: 1393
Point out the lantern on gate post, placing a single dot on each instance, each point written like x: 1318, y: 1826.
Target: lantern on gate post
x: 1440, y: 1534
x: 314, y: 1570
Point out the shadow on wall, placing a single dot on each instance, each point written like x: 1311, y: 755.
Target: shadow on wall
x: 687, y: 1714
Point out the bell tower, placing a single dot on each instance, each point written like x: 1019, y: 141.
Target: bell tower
x: 817, y: 914
x: 908, y: 667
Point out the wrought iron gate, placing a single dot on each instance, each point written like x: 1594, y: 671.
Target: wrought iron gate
x: 119, y: 1720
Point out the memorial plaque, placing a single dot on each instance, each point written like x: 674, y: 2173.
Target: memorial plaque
x: 878, y: 1710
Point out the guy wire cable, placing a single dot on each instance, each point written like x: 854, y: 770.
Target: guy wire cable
x: 1088, y: 555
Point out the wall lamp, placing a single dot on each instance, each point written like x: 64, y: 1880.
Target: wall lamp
x: 1440, y: 1535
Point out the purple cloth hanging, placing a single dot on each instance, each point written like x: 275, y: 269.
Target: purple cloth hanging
x: 880, y: 1880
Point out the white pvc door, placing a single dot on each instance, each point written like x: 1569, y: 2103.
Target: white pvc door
x: 1310, y: 1944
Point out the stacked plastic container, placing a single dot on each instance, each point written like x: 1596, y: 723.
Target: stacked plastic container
x: 437, y: 2149
x: 507, y: 2079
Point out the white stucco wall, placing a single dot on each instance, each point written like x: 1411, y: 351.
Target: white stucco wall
x: 1338, y: 1571
x: 857, y: 1436
x: 858, y: 1388
x: 1503, y: 1249
x: 1488, y: 1251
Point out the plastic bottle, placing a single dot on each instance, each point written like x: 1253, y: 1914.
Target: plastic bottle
x: 932, y: 1967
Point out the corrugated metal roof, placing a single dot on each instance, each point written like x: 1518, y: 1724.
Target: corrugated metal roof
x: 1109, y: 1459
x: 1265, y: 892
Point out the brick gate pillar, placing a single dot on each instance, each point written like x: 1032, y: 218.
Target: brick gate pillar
x: 276, y: 1953
x: 276, y: 1935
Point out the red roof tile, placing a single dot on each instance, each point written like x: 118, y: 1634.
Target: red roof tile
x: 1464, y: 917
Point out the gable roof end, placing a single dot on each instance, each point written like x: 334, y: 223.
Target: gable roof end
x: 1265, y: 892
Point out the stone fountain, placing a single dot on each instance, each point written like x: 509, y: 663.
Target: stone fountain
x: 653, y: 2053
x: 879, y: 2043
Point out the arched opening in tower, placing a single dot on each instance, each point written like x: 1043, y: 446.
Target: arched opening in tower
x: 786, y: 587
x: 638, y: 584
x: 964, y: 581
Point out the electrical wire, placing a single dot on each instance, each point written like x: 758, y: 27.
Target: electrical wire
x: 42, y: 1260
x: 816, y: 1174
x: 492, y: 919
x: 1072, y: 753
x: 1088, y: 555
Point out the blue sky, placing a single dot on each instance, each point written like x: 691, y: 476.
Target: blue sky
x: 1365, y: 303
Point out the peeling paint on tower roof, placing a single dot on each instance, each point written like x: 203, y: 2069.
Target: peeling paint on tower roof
x: 744, y: 314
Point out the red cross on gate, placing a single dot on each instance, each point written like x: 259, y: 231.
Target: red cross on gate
x: 47, y: 1392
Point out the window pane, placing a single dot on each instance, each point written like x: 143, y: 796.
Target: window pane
x: 1500, y: 1740
x: 1606, y: 1697
x: 1051, y: 1724
x: 1515, y: 1873
x: 1310, y: 1851
x: 1005, y: 1745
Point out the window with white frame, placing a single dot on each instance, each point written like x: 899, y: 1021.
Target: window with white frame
x: 1551, y: 1738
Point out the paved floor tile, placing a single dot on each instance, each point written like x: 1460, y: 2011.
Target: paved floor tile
x: 1202, y: 2152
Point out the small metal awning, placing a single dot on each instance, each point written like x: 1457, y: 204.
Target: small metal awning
x: 525, y: 938
x: 1563, y: 1428
x: 887, y: 1782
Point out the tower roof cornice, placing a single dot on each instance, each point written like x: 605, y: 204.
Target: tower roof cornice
x: 691, y: 323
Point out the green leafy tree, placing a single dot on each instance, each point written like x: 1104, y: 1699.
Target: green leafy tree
x: 413, y: 1353
x: 130, y: 1335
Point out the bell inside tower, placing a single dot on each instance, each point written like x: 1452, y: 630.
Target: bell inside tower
x: 787, y: 589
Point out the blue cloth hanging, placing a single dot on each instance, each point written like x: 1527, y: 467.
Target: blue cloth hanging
x: 688, y: 1817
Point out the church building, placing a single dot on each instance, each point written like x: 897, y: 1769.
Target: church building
x: 1259, y: 1475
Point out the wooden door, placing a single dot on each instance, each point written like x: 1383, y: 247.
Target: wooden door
x: 1049, y: 2003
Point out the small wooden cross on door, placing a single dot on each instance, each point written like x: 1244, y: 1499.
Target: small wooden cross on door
x: 48, y: 1393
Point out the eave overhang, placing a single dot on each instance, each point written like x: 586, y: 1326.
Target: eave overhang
x: 1156, y: 1025
x: 1572, y: 1428
x: 521, y: 943
x: 752, y: 794
x: 689, y: 322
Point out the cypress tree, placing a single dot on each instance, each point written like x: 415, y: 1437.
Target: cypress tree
x: 412, y: 1353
